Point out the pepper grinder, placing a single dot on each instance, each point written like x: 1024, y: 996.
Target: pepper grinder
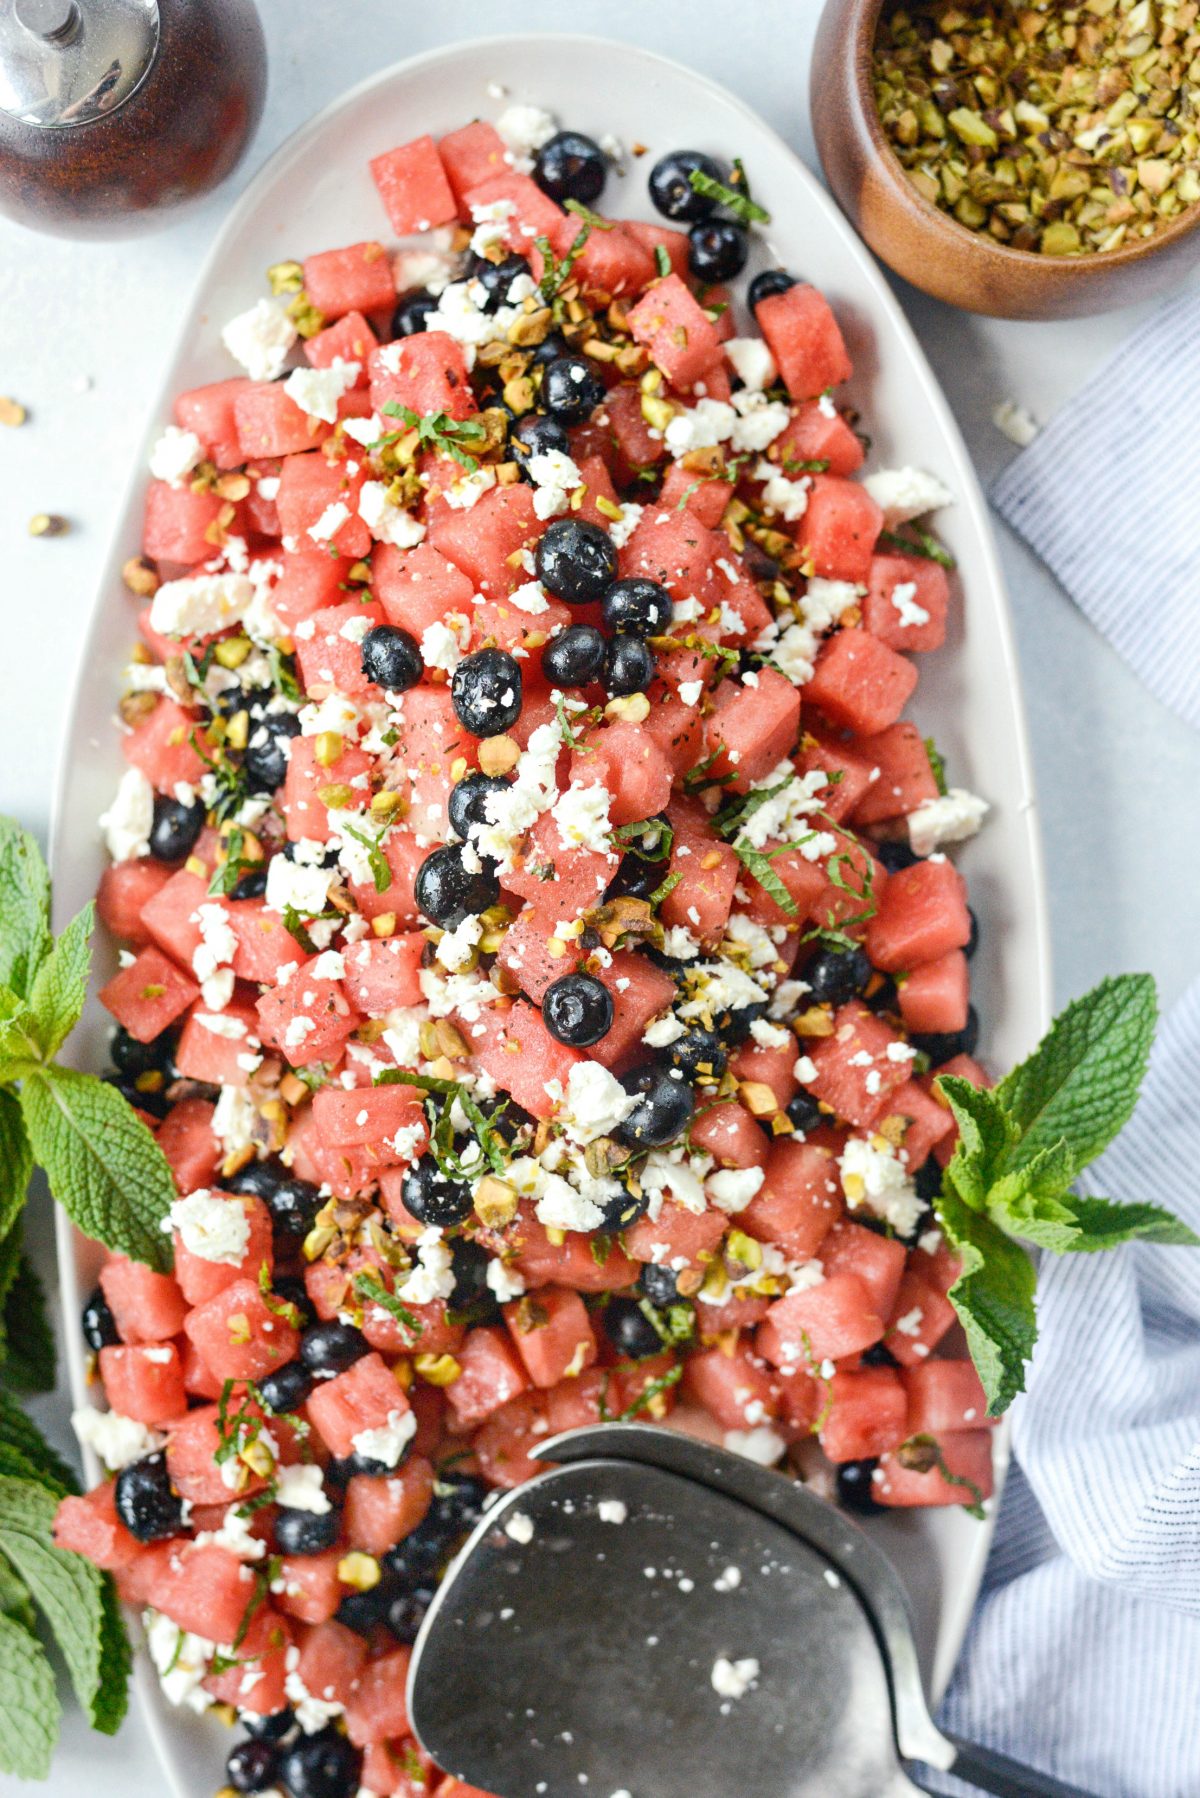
x: 111, y: 110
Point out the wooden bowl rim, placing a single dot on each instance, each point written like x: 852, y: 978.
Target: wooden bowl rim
x: 1057, y: 271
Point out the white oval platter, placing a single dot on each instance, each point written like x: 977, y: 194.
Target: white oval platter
x: 315, y: 193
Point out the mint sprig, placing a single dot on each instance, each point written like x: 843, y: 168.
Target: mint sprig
x: 1022, y: 1145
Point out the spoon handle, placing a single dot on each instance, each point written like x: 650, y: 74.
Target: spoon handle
x: 994, y: 1772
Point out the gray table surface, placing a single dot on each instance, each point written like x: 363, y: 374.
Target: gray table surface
x: 85, y: 334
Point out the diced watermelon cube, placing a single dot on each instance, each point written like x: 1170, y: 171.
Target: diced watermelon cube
x: 351, y: 339
x: 799, y: 1201
x: 654, y: 234
x: 704, y: 496
x: 238, y: 1336
x: 934, y: 997
x: 708, y: 871
x: 176, y: 524
x: 418, y: 587
x: 673, y: 327
x: 381, y: 975
x: 125, y: 888
x: 381, y: 1511
x: 147, y: 997
x: 413, y: 187
x: 677, y: 1237
x: 855, y: 1076
x: 311, y: 1590
x: 309, y: 579
x: 753, y: 728
x: 729, y: 1134
x: 210, y: 1044
x: 186, y: 1139
x: 208, y: 411
x: 922, y: 916
x: 675, y: 549
x: 161, y: 746
x: 816, y: 434
x: 370, y: 1118
x: 868, y: 1414
x: 944, y: 1396
x: 534, y: 214
x: 853, y: 764
x: 365, y: 1397
x: 201, y: 1280
x: 822, y: 1322
x: 927, y: 1124
x: 966, y: 1457
x: 404, y: 856
x: 859, y: 683
x: 735, y: 1388
x: 144, y: 1382
x: 356, y: 279
x: 270, y: 423
x: 639, y: 992
x: 492, y: 1373
x: 427, y: 373
x: 309, y: 1017
x: 378, y: 1707
x: 192, y: 1445
x: 899, y: 589
x: 146, y: 1306
x: 612, y: 262
x: 307, y: 779
x: 552, y: 1334
x: 521, y: 1056
x: 321, y: 497
x: 760, y: 1064
x: 89, y: 1526
x: 258, y: 1681
x: 920, y: 1318
x: 633, y: 447
x: 170, y: 916
x: 839, y: 529
x: 470, y: 156
x: 329, y: 648
x: 331, y: 1662
x: 631, y: 765
x: 485, y: 541
x: 905, y: 779
x: 805, y: 341
x: 878, y: 1261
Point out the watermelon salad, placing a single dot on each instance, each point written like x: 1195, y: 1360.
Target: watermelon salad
x: 537, y: 941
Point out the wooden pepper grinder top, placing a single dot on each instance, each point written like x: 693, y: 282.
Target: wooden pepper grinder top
x: 113, y: 109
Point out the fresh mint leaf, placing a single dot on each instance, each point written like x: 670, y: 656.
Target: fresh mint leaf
x: 24, y: 907
x: 1081, y: 1083
x: 29, y: 1358
x: 437, y: 431
x: 993, y: 1297
x: 757, y: 862
x: 662, y: 260
x: 60, y: 985
x: 104, y: 1167
x: 22, y: 1437
x: 67, y: 1590
x: 937, y: 765
x: 381, y: 873
x: 107, y: 1708
x: 29, y: 1707
x: 16, y: 1162
x: 370, y: 1288
x: 1106, y: 1223
x: 740, y: 204
x: 18, y: 1039
x: 15, y: 1601
x: 590, y: 218
x: 983, y: 1140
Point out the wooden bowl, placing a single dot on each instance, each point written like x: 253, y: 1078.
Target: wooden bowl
x: 929, y: 247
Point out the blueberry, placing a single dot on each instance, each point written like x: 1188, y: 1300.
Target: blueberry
x: 412, y: 312
x: 98, y: 1324
x: 570, y: 166
x: 469, y: 1265
x: 882, y: 993
x: 305, y: 1532
x: 630, y: 1332
x: 671, y: 189
x: 571, y: 390
x: 803, y: 1112
x: 432, y: 1198
x: 468, y: 800
x: 497, y: 277
x: 837, y: 975
x: 622, y: 1209
x: 264, y: 763
x: 855, y: 1487
x: 536, y: 435
x: 406, y: 1613
x: 272, y: 1728
x: 576, y: 561
x: 175, y: 828
x: 146, y: 1501
x: 770, y: 281
x: 879, y: 1355
x: 550, y: 349
x: 735, y: 1025
x: 576, y: 657
x: 663, y: 1110
x: 132, y: 1058
x: 294, y: 1205
x: 717, y: 249
x: 154, y: 1104
x: 894, y: 854
x: 252, y: 1766
x: 660, y: 1284
x: 258, y: 1179
x: 420, y: 1553
x: 635, y: 879
x: 293, y: 1291
x: 252, y: 885
x: 639, y: 608
x: 321, y: 1766
x: 700, y: 1054
x: 363, y: 1612
x: 972, y: 942
x: 943, y: 1047
x: 628, y: 666
x: 286, y: 1388
x: 577, y: 1010
x: 447, y: 891
x: 486, y: 692
x: 330, y: 1348
x: 391, y: 658
x: 928, y: 1180
x: 457, y: 1502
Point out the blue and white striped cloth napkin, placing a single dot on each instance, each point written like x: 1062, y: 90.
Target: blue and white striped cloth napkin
x: 1084, y: 1653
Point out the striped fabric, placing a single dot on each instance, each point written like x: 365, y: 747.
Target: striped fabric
x: 1109, y: 497
x: 1084, y: 1653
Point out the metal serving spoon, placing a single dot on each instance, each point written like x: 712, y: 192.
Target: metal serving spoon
x: 657, y: 1618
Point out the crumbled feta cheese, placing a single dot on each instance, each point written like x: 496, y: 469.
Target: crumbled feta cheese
x: 504, y: 1282
x: 795, y: 654
x: 211, y: 1226
x: 733, y: 1679
x: 175, y: 455
x: 904, y: 493
x: 304, y: 888
x: 760, y: 421
x: 217, y: 946
x: 622, y: 529
x: 114, y: 1439
x: 873, y: 1175
x: 904, y: 598
x: 180, y: 1659
x: 581, y: 814
x: 555, y: 477
x: 1017, y: 423
x: 129, y: 819
x: 456, y: 947
x: 612, y: 1510
x: 825, y: 601
x: 519, y: 1528
x: 317, y: 390
x: 703, y: 426
x: 199, y: 605
x: 950, y: 818
x: 433, y: 1275
x: 770, y: 1036
x: 787, y: 497
x: 529, y: 597
x: 732, y: 1188
x: 562, y: 1206
x: 595, y: 1102
x: 444, y: 643
x: 386, y: 522
x: 663, y: 1031
x: 330, y: 522
x: 387, y: 1443
x: 752, y: 360
x: 680, y: 944
x: 312, y: 1713
x: 515, y: 809
x: 302, y: 1488
x: 690, y: 691
x: 524, y: 130
x: 235, y: 1117
x: 469, y: 489
x: 261, y: 338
